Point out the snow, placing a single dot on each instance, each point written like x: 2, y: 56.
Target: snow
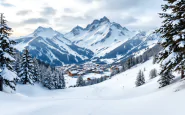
x: 116, y: 96
x: 98, y: 39
x: 45, y: 32
x: 43, y: 35
x: 95, y: 75
x: 8, y: 56
x: 74, y: 72
x: 7, y: 74
x: 170, y: 58
x: 181, y: 44
x: 71, y: 81
x: 108, y: 61
x: 175, y: 38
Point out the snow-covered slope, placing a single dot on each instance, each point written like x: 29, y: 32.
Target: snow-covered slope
x: 52, y: 47
x: 135, y: 46
x: 116, y: 96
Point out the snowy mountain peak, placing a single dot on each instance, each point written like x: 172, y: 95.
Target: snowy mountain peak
x: 45, y: 32
x: 100, y: 39
x: 41, y: 29
x: 104, y: 19
x: 118, y: 26
x: 96, y: 23
x: 76, y: 30
x: 78, y: 27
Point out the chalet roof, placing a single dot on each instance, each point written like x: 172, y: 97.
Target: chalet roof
x: 81, y: 72
x: 74, y: 72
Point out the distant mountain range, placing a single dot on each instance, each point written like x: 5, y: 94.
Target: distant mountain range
x: 102, y: 40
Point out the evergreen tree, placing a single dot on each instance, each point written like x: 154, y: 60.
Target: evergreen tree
x: 102, y: 79
x: 140, y: 79
x: 173, y: 34
x: 6, y: 54
x: 17, y: 65
x: 165, y: 79
x: 42, y: 73
x: 35, y: 70
x: 55, y: 79
x: 50, y: 79
x: 154, y: 59
x: 153, y: 73
x: 46, y: 77
x: 61, y: 83
x: 80, y: 81
x: 26, y: 73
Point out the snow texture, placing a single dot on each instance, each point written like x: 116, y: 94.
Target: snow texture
x: 116, y: 96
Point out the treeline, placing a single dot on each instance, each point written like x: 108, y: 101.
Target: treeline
x: 132, y: 61
x: 30, y: 71
x: 81, y: 82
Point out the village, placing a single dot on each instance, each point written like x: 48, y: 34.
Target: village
x: 88, y: 71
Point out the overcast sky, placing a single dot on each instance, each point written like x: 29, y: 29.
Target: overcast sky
x: 26, y: 15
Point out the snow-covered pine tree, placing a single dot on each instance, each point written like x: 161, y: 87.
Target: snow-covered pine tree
x: 6, y: 54
x: 45, y: 76
x: 80, y: 82
x: 52, y: 82
x: 17, y: 64
x: 165, y: 79
x: 61, y: 83
x: 102, y: 79
x: 140, y: 80
x: 140, y: 59
x: 26, y: 73
x: 172, y: 57
x: 55, y: 79
x: 35, y: 70
x: 42, y: 72
x: 154, y: 59
x: 153, y: 73
x: 48, y: 80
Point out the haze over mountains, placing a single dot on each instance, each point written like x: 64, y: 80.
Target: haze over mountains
x: 102, y: 39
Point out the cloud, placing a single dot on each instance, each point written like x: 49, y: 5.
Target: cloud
x: 129, y: 13
x: 5, y: 4
x: 129, y: 19
x: 68, y: 10
x: 68, y: 22
x: 48, y: 11
x: 86, y: 1
x: 72, y: 20
x: 35, y: 21
x: 133, y: 14
x: 23, y: 12
x: 14, y: 24
x: 128, y: 4
x: 76, y: 19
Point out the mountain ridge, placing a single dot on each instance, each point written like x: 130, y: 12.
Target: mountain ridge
x: 100, y: 39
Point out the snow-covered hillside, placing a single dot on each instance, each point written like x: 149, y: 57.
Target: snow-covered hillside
x: 116, y: 96
x: 52, y: 47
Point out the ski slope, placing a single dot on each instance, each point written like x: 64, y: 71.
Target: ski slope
x: 117, y: 96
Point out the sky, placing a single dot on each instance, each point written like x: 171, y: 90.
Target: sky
x: 24, y: 16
